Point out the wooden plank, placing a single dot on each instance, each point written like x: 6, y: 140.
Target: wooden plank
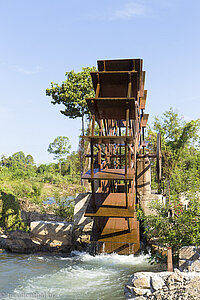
x: 111, y: 212
x: 111, y: 108
x: 111, y: 205
x: 143, y: 100
x: 115, y: 230
x: 120, y: 65
x: 115, y: 84
x: 110, y: 174
x: 109, y: 139
x: 120, y: 248
x: 144, y: 119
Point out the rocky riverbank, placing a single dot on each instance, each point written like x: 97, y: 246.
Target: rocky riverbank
x: 44, y: 236
x: 163, y: 286
x: 48, y: 232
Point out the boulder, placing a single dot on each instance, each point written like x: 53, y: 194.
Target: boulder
x: 19, y: 242
x: 157, y: 282
x: 194, y: 266
x: 187, y: 252
x: 142, y: 281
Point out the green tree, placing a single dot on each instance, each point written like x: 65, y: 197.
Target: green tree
x: 72, y: 93
x: 173, y: 226
x: 180, y: 152
x: 19, y: 164
x: 60, y: 148
x: 29, y: 160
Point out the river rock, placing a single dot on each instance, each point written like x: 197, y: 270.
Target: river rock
x: 164, y: 286
x: 44, y: 236
x: 189, y: 259
x: 51, y: 229
x: 187, y: 252
x: 142, y: 281
x: 82, y: 228
x: 157, y: 282
x: 195, y: 266
x: 141, y: 292
x: 19, y: 242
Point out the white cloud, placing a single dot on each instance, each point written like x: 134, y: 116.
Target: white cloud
x: 130, y: 10
x: 22, y: 70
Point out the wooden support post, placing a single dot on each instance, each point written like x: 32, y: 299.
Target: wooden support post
x: 127, y: 120
x: 97, y: 90
x: 169, y: 260
x: 93, y: 195
x: 129, y: 89
x: 126, y: 191
x: 93, y: 124
x: 126, y: 155
x: 92, y: 159
x: 128, y: 222
x: 126, y: 159
x: 120, y: 148
x: 91, y: 147
x: 99, y: 157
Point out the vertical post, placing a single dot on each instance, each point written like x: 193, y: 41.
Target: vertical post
x: 93, y: 124
x: 91, y: 147
x: 92, y: 159
x: 126, y: 165
x: 127, y: 120
x: 126, y: 156
x: 93, y: 195
x: 169, y: 260
x: 82, y: 148
x: 129, y: 87
x: 99, y: 149
x: 120, y: 147
x: 92, y: 162
x: 126, y: 193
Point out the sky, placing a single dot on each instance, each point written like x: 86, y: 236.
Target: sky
x: 40, y: 40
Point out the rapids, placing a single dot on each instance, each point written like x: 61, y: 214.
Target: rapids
x: 78, y: 276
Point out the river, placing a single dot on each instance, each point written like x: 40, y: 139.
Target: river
x: 78, y: 276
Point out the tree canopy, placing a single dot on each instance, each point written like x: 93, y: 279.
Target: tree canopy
x: 18, y: 159
x: 180, y: 150
x: 72, y: 93
x: 59, y: 147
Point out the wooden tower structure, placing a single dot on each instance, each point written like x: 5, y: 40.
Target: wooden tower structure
x: 118, y: 109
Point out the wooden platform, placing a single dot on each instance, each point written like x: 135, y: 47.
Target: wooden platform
x: 111, y: 205
x: 111, y: 108
x: 115, y: 236
x: 109, y: 139
x: 110, y: 174
x: 120, y: 65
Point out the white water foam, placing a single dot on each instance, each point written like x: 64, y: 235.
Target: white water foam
x: 80, y: 276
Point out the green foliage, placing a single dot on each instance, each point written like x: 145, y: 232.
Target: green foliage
x: 10, y: 217
x: 180, y: 152
x: 72, y: 93
x: 157, y: 257
x: 59, y: 147
x: 172, y: 225
x: 17, y: 166
x: 71, y: 165
x: 64, y: 207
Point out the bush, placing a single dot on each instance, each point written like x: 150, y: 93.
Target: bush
x: 172, y: 225
x: 64, y: 207
x: 10, y: 216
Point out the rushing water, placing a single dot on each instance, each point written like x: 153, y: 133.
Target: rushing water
x: 78, y: 276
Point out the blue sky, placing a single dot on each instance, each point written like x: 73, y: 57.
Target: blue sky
x: 41, y: 40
